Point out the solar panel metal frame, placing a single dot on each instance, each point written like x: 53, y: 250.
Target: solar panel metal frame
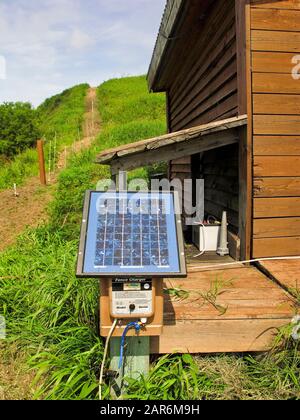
x: 80, y: 273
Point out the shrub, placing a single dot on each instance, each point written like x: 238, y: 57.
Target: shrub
x: 18, y: 128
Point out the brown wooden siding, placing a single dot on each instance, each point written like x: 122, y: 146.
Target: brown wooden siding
x: 205, y: 90
x: 206, y: 85
x: 275, y: 40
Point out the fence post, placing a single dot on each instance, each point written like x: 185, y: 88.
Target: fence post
x: 40, y: 149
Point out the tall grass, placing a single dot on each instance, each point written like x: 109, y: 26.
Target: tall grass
x: 61, y: 115
x: 18, y: 169
x: 53, y: 317
x: 49, y: 312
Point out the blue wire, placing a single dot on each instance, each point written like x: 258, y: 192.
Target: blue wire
x: 137, y: 328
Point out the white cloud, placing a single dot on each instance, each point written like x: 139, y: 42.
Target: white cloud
x: 80, y: 40
x: 55, y: 44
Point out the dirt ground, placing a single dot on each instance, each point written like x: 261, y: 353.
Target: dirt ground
x: 29, y: 209
x: 15, y: 378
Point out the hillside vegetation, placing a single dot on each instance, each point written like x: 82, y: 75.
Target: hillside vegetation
x: 18, y: 128
x: 61, y: 115
x: 53, y: 317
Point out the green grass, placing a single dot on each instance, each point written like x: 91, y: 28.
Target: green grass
x: 53, y: 317
x: 61, y: 114
x: 129, y: 113
x: 18, y: 169
x: 49, y: 312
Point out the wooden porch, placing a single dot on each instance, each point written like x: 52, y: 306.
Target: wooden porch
x: 286, y: 273
x: 235, y: 309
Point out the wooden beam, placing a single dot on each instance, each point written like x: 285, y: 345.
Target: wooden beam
x: 265, y: 187
x: 234, y: 245
x: 136, y: 361
x: 240, y: 13
x: 174, y: 151
x: 276, y: 247
x: 277, y: 166
x: 281, y: 20
x: 277, y: 125
x: 276, y: 41
x: 246, y: 152
x: 276, y: 207
x: 272, y: 62
x: 276, y: 145
x: 276, y: 104
x: 187, y: 135
x: 274, y: 228
x: 218, y: 336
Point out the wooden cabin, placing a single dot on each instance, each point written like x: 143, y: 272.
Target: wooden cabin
x: 218, y: 60
x: 231, y: 73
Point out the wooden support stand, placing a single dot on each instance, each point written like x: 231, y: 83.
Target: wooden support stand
x: 137, y: 349
x: 136, y: 362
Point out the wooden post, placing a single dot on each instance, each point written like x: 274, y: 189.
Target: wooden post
x: 40, y: 149
x: 136, y: 362
x: 121, y: 181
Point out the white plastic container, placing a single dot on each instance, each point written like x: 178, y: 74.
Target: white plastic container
x: 212, y: 237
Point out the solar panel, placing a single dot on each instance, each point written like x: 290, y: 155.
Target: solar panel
x: 131, y: 234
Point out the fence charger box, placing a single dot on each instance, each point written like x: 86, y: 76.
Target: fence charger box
x: 212, y: 237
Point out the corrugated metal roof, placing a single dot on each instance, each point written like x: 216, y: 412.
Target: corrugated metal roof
x: 170, y: 15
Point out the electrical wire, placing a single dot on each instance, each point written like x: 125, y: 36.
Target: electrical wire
x: 204, y: 240
x: 137, y: 326
x: 208, y: 267
x: 104, y: 357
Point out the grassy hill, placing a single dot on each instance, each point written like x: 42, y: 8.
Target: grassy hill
x: 52, y: 316
x: 61, y: 114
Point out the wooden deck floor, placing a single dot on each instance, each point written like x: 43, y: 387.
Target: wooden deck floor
x: 286, y: 273
x: 219, y: 311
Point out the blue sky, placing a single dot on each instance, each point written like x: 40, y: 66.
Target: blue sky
x: 50, y: 45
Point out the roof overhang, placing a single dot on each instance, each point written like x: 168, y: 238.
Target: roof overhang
x: 169, y: 22
x: 180, y: 20
x: 173, y: 146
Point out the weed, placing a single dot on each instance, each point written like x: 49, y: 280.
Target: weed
x: 217, y: 288
x: 174, y: 377
x: 177, y: 293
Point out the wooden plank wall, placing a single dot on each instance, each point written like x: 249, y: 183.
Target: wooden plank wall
x: 205, y: 90
x: 221, y: 186
x: 275, y: 41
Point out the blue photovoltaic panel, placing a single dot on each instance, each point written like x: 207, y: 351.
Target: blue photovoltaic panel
x: 131, y: 233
